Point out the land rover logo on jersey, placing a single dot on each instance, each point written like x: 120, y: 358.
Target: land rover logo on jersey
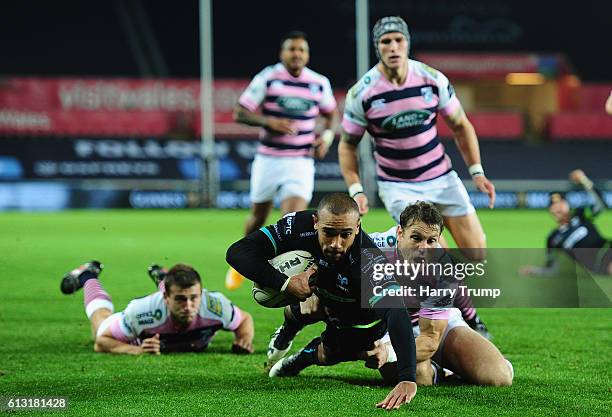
x: 427, y: 94
x: 294, y: 104
x: 408, y: 118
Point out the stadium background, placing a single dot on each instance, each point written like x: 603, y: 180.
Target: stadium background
x: 98, y: 109
x: 99, y: 105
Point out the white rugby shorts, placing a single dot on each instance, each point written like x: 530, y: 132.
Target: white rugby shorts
x: 282, y: 176
x: 447, y: 192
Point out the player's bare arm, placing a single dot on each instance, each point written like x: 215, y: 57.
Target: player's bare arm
x: 609, y: 104
x: 276, y: 124
x: 244, y: 334
x: 324, y: 141
x: 348, y: 155
x: 467, y: 142
x: 106, y: 343
x: 428, y: 341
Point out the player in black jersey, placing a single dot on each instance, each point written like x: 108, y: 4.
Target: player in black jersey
x: 576, y: 234
x: 334, y: 237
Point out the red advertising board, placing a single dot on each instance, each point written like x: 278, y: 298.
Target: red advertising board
x: 155, y: 107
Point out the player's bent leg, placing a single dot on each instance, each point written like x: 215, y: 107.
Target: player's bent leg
x: 297, y: 316
x: 96, y: 319
x: 257, y: 216
x: 291, y: 204
x: 468, y: 235
x: 475, y: 359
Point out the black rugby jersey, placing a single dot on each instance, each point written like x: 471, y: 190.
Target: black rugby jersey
x: 339, y: 285
x: 579, y: 237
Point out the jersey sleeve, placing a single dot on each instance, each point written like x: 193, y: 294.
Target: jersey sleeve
x: 126, y: 328
x: 328, y: 101
x: 448, y: 103
x: 255, y: 93
x: 250, y: 255
x: 353, y: 120
x: 219, y: 305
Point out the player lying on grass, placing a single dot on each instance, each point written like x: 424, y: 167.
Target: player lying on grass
x: 335, y: 239
x: 442, y: 337
x: 180, y: 317
x: 576, y: 234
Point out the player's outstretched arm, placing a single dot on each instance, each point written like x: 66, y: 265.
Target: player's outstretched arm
x: 348, y: 156
x: 578, y: 177
x: 106, y: 343
x: 467, y: 142
x: 401, y: 394
x: 244, y: 334
x: 428, y: 341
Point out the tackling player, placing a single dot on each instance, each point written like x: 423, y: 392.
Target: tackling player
x: 398, y: 102
x: 180, y: 317
x: 335, y: 239
x: 576, y: 234
x: 443, y: 339
x: 290, y: 96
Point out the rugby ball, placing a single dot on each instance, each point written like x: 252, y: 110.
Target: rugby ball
x: 289, y: 263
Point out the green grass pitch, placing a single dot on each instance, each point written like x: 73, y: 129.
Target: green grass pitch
x: 562, y: 357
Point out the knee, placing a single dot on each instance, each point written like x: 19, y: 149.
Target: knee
x: 97, y: 348
x: 501, y: 376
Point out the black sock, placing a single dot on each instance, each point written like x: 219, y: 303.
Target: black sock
x: 307, y: 356
x: 474, y: 321
x: 295, y: 321
x: 85, y: 276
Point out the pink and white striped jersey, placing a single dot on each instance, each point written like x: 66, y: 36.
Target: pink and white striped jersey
x: 402, y: 121
x: 146, y: 316
x: 300, y: 99
x: 387, y: 242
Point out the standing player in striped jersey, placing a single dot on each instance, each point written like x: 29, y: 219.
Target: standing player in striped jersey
x: 290, y: 96
x: 398, y: 102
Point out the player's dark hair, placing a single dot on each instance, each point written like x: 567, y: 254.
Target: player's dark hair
x: 422, y: 211
x: 182, y: 276
x: 561, y: 194
x: 294, y: 34
x: 338, y: 204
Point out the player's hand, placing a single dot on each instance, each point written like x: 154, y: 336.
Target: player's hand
x: 528, y: 270
x: 403, y: 393
x: 577, y: 176
x: 320, y: 148
x: 487, y: 187
x: 378, y: 356
x: 362, y: 201
x: 299, y: 285
x: 280, y: 125
x: 242, y: 346
x: 151, y: 345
